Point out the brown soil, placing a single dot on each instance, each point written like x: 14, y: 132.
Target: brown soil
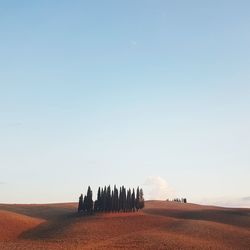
x: 161, y: 225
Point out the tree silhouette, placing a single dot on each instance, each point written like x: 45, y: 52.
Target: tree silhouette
x: 124, y: 199
x: 115, y: 200
x: 129, y: 203
x: 109, y: 201
x: 102, y: 200
x: 105, y: 199
x: 120, y: 200
x: 80, y: 204
x: 133, y: 200
x: 137, y: 200
x: 141, y: 199
x: 98, y: 201
x: 84, y: 203
x: 89, y: 201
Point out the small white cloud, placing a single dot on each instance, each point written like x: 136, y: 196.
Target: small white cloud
x: 158, y: 189
x: 246, y: 198
x: 133, y: 42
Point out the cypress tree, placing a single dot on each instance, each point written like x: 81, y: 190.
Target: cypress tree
x: 105, y: 199
x: 98, y: 199
x: 80, y: 204
x: 137, y: 200
x: 141, y: 199
x: 89, y: 201
x: 124, y: 199
x: 133, y: 200
x: 101, y: 200
x: 84, y: 203
x: 112, y: 201
x: 129, y: 200
x: 120, y: 200
x: 116, y: 199
x: 95, y: 206
x: 109, y: 198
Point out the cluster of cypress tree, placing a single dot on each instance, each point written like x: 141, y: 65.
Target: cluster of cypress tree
x: 115, y: 200
x: 86, y: 204
x: 182, y: 200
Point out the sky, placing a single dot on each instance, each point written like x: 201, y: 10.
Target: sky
x: 149, y: 93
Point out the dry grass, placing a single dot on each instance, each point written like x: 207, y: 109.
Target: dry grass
x: 161, y: 225
x: 13, y: 224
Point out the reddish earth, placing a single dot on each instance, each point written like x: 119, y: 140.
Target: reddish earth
x: 161, y: 225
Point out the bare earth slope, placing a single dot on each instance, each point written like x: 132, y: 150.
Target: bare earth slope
x: 161, y: 225
x: 13, y: 224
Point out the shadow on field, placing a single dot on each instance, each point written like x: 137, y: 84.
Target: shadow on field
x: 52, y: 228
x: 41, y: 211
x: 58, y: 219
x: 234, y: 217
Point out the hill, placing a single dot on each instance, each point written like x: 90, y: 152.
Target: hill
x: 13, y: 224
x: 161, y: 225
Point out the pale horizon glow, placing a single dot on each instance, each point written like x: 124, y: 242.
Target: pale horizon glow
x: 148, y: 93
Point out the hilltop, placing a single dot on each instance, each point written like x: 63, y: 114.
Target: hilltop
x: 160, y: 225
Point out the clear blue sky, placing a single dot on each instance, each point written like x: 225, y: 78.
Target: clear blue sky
x: 125, y: 92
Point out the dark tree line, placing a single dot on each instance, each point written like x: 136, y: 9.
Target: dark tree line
x: 86, y: 204
x: 112, y: 200
x: 182, y: 200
